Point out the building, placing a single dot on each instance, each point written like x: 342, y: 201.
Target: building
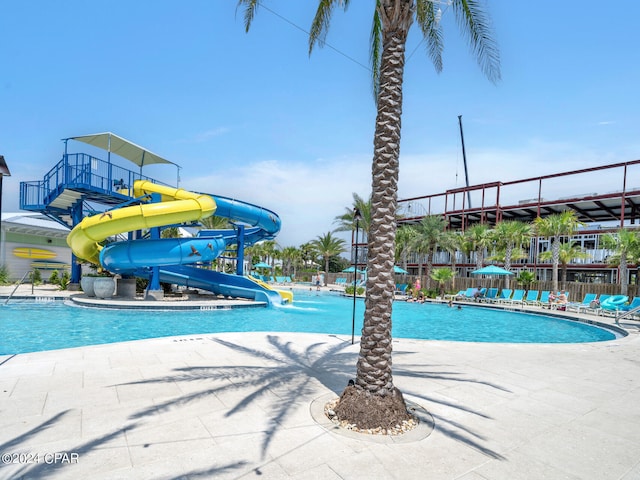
x: 31, y: 240
x: 611, y: 201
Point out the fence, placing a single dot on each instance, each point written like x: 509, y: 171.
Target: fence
x: 577, y: 290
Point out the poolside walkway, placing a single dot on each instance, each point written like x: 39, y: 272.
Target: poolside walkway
x: 245, y: 405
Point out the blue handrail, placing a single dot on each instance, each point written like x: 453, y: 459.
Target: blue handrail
x: 81, y: 172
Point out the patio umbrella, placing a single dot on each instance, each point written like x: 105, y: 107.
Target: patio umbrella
x: 351, y: 270
x: 397, y: 269
x: 262, y: 265
x: 491, y: 270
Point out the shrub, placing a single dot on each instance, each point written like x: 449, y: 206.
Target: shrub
x: 64, y: 280
x: 35, y: 276
x: 349, y: 290
x: 4, y: 275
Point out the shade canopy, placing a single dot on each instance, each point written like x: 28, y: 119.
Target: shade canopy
x: 491, y: 270
x: 124, y: 148
x: 262, y: 265
x: 351, y: 270
x: 397, y: 269
x: 4, y: 170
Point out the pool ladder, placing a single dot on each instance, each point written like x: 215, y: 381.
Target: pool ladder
x: 626, y: 314
x: 14, y: 290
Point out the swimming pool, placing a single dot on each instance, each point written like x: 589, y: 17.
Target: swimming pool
x: 31, y: 327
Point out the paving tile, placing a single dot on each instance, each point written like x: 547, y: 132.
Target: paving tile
x: 219, y: 406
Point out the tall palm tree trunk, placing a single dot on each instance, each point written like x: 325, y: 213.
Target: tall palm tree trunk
x: 555, y: 258
x: 374, y: 401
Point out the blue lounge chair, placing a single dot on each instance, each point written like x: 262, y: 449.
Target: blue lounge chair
x: 474, y: 294
x: 616, y: 304
x: 517, y: 297
x: 531, y: 298
x: 491, y: 294
x: 468, y: 293
x: 505, y: 294
x: 633, y: 304
x: 633, y: 309
x: 596, y: 308
x: 544, y: 298
x: 586, y: 301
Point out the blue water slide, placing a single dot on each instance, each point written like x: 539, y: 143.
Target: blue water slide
x: 172, y: 255
x: 219, y: 283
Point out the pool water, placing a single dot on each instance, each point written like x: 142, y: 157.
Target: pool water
x: 30, y: 327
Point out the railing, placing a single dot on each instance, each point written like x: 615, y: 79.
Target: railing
x: 18, y: 285
x: 78, y: 171
x: 626, y: 314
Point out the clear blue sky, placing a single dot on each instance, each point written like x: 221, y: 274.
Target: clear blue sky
x: 252, y: 116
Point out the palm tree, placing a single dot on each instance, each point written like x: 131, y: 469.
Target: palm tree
x: 510, y: 236
x: 554, y: 227
x: 404, y: 239
x: 214, y: 222
x: 442, y: 276
x: 290, y: 258
x: 452, y: 242
x: 526, y: 279
x: 429, y: 232
x: 307, y: 255
x: 170, y: 232
x: 328, y: 246
x: 626, y: 249
x: 477, y: 238
x: 569, y: 251
x: 373, y: 401
x: 346, y: 222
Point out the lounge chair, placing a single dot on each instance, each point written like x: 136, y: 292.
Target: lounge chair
x: 586, y: 301
x: 531, y: 298
x: 401, y: 288
x: 544, y: 298
x: 505, y: 294
x: 616, y: 304
x: 633, y: 304
x: 467, y: 294
x: 491, y: 294
x: 475, y: 294
x: 454, y: 296
x: 633, y: 309
x: 517, y: 297
x: 595, y: 307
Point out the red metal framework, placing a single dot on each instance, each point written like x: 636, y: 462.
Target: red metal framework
x: 525, y: 200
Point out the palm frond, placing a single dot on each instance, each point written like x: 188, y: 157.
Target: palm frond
x: 249, y: 12
x: 476, y: 25
x: 322, y: 20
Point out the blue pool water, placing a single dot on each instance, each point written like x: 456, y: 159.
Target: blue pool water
x: 30, y: 327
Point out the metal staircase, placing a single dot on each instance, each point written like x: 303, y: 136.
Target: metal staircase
x: 78, y: 184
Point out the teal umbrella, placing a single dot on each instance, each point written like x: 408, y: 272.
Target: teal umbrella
x: 491, y: 270
x: 262, y: 265
x: 351, y: 270
x: 397, y: 269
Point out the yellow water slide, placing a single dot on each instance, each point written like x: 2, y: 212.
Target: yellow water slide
x: 177, y: 206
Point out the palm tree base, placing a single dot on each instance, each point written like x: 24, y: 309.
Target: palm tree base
x: 369, y: 411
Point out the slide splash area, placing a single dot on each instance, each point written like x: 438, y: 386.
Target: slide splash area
x: 173, y: 256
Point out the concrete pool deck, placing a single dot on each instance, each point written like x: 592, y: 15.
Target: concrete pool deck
x: 240, y: 405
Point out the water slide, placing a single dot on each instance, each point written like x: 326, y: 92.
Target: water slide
x: 173, y: 255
